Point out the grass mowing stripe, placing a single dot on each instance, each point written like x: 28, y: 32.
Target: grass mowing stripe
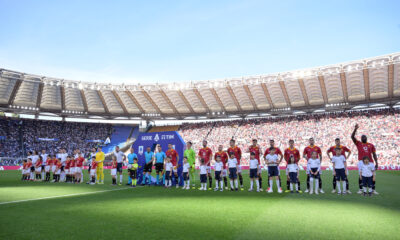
x: 61, y: 196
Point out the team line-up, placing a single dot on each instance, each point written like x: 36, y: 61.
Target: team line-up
x: 66, y: 168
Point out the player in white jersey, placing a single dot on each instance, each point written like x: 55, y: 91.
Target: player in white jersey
x: 120, y: 160
x: 292, y: 172
x: 44, y: 156
x: 273, y: 163
x: 314, y: 168
x: 185, y: 172
x: 203, y: 175
x: 367, y: 175
x: 254, y: 166
x: 340, y: 170
x: 218, y: 167
x: 233, y: 169
x: 168, y: 172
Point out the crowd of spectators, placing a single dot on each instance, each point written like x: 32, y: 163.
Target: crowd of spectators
x: 17, y: 137
x: 381, y: 127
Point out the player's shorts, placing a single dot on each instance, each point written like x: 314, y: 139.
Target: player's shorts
x: 340, y: 174
x: 232, y: 173
x: 24, y: 171
x: 58, y: 171
x: 175, y: 170
x: 185, y: 176
x: 312, y: 175
x: 148, y: 167
x: 133, y: 173
x: 119, y: 167
x: 224, y: 172
x: 217, y: 175
x: 239, y: 169
x: 47, y: 168
x: 159, y: 167
x: 78, y: 170
x: 203, y: 178
x: 72, y: 170
x: 113, y: 172
x: 367, y: 182
x: 67, y: 171
x: 38, y: 169
x: 273, y: 171
x: 168, y: 175
x: 253, y: 173
x: 293, y: 177
x: 53, y: 168
x: 92, y: 172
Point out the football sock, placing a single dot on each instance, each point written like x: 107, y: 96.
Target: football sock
x: 258, y: 185
x: 308, y: 182
x: 347, y: 184
x: 316, y: 184
x: 120, y: 178
x: 42, y: 175
x: 288, y: 183
x: 241, y: 180
x: 144, y: 179
x: 166, y: 183
x: 291, y: 186
x: 311, y: 182
x: 158, y: 178
x: 373, y: 185
x: 210, y: 181
x: 334, y: 182
x: 231, y: 184
x: 270, y: 183
x: 298, y: 185
x: 360, y: 183
x: 188, y: 183
x: 260, y: 181
x: 344, y: 186
x: 226, y: 181
x: 236, y: 183
x: 338, y: 187
x: 365, y: 189
x: 251, y: 184
x: 319, y: 182
x: 222, y: 184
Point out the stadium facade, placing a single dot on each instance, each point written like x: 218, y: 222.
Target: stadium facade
x: 343, y: 86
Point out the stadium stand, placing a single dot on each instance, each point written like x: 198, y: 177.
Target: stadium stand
x: 119, y: 136
x: 164, y: 128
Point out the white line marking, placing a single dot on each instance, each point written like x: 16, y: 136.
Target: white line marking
x: 60, y: 196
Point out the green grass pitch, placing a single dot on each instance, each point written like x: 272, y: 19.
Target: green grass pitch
x: 158, y: 213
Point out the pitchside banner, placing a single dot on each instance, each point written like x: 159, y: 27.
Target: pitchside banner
x: 145, y: 140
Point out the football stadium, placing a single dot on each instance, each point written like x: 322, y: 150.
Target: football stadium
x: 123, y: 121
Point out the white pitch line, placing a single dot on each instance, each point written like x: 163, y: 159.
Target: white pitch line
x: 60, y: 196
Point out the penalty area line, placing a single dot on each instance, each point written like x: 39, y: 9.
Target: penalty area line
x: 61, y: 196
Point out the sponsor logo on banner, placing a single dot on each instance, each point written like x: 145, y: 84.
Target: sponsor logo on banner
x: 156, y: 138
x: 147, y: 138
x: 140, y: 150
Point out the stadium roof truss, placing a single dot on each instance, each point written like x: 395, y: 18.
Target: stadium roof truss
x: 372, y: 80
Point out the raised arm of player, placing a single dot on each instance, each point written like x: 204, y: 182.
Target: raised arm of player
x: 353, y: 135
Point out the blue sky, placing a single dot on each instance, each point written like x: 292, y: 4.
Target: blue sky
x: 163, y: 41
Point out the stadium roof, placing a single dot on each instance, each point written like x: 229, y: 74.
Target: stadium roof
x: 344, y: 85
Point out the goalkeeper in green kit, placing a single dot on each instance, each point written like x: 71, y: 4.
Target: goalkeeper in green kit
x: 190, y: 154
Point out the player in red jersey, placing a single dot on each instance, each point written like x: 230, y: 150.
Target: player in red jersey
x: 25, y: 171
x: 173, y: 155
x: 78, y: 167
x: 224, y: 159
x: 235, y: 150
x: 307, y: 155
x: 278, y: 152
x: 205, y: 154
x: 72, y: 165
x: 48, y: 167
x: 344, y: 150
x: 255, y: 148
x: 38, y: 167
x: 365, y: 149
x: 289, y: 152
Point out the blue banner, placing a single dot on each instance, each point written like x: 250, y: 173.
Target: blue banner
x: 95, y: 141
x: 48, y: 139
x: 145, y: 140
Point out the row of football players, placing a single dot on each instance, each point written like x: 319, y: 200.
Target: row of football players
x: 231, y: 168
